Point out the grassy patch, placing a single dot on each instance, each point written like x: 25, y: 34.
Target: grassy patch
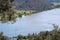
x: 25, y: 11
x: 56, y: 3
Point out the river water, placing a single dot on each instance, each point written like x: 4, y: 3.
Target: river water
x: 34, y: 23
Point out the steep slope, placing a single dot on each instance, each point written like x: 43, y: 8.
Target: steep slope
x: 32, y: 4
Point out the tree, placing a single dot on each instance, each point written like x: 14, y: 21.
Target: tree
x: 7, y: 13
x: 2, y: 37
x: 5, y: 5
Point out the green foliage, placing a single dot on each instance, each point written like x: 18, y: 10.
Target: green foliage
x: 5, y: 5
x: 8, y: 16
x: 7, y: 13
x: 44, y: 35
x: 3, y: 37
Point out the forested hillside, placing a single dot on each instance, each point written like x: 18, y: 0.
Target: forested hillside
x: 32, y: 4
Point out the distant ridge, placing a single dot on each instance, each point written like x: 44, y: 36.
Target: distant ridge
x: 38, y: 5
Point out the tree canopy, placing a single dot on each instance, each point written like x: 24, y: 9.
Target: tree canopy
x: 6, y: 11
x: 5, y: 5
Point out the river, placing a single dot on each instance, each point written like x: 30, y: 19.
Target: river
x: 34, y: 23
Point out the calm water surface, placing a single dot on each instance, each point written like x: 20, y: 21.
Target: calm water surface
x: 32, y: 24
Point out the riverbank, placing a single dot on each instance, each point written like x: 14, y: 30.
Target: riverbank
x: 43, y: 35
x: 56, y: 4
x: 28, y: 12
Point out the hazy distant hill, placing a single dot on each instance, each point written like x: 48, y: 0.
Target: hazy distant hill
x: 54, y: 0
x: 32, y: 4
